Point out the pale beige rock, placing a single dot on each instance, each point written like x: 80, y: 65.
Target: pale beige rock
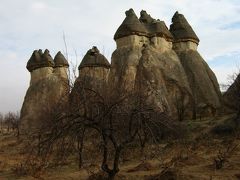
x: 61, y: 72
x: 202, y: 81
x: 94, y: 72
x: 93, y: 76
x: 42, y: 99
x: 47, y: 94
x: 132, y: 40
x: 187, y: 45
x: 161, y: 44
x: 40, y: 73
x: 164, y: 77
x: 94, y: 69
x: 124, y: 67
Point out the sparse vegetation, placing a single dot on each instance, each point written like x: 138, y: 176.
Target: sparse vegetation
x: 186, y: 158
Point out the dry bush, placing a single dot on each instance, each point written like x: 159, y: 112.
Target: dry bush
x: 143, y: 166
x: 32, y: 166
x: 223, y: 156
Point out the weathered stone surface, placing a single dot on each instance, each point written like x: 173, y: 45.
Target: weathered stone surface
x: 162, y: 66
x: 39, y: 60
x: 93, y: 74
x: 60, y: 60
x: 130, y: 26
x: 61, y: 66
x: 183, y: 76
x: 94, y: 58
x: 181, y: 29
x: 124, y: 67
x: 231, y: 98
x: 160, y: 75
x: 47, y: 93
x: 42, y: 99
x: 155, y: 28
x: 202, y: 81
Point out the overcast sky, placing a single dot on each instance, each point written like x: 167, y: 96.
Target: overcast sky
x: 26, y: 25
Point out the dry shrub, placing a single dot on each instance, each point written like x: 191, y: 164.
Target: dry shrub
x: 33, y: 167
x: 100, y: 175
x: 223, y: 156
x: 168, y: 174
x: 2, y: 166
x: 144, y: 166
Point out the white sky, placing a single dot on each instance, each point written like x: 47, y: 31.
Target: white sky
x: 26, y: 25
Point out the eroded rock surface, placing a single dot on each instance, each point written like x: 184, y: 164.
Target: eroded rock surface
x: 47, y: 92
x: 202, y: 80
x: 162, y: 65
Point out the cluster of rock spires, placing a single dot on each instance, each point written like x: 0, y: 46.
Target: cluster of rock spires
x: 164, y: 62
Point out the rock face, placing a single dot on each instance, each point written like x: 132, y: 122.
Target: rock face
x: 162, y: 73
x: 161, y: 66
x: 202, y: 81
x: 48, y: 89
x: 94, y: 68
x: 93, y: 74
x: 231, y: 98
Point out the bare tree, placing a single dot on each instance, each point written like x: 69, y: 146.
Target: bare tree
x: 119, y: 119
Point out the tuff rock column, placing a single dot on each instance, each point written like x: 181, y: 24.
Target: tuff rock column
x: 202, y: 80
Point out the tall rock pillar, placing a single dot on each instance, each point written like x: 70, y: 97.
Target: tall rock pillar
x: 46, y: 92
x: 201, y: 78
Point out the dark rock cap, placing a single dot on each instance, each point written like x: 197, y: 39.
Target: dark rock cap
x: 155, y: 27
x: 39, y: 60
x: 130, y: 26
x: 181, y: 30
x: 60, y: 60
x: 94, y: 58
x: 158, y: 28
x: 145, y: 17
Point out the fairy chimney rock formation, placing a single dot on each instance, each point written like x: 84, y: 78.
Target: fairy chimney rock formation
x: 47, y: 91
x: 163, y: 64
x: 203, y: 82
x: 40, y: 65
x: 93, y: 74
x: 61, y: 65
x: 157, y: 32
x: 163, y: 74
x: 131, y: 32
x: 184, y: 36
x: 94, y: 66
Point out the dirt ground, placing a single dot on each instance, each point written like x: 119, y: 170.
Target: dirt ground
x: 194, y: 157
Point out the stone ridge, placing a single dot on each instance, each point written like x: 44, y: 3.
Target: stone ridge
x: 60, y: 60
x: 94, y: 58
x: 39, y: 60
x: 144, y: 26
x: 181, y: 30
